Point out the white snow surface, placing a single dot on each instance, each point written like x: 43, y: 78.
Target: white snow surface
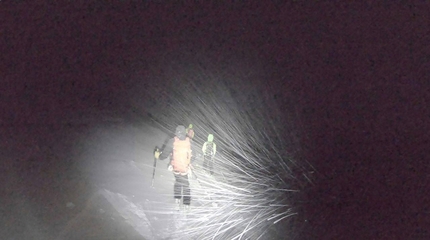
x: 120, y: 162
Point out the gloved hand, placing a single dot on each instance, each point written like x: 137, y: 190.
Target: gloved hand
x: 157, y: 154
x: 170, y: 168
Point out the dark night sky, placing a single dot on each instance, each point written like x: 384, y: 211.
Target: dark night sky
x: 356, y: 74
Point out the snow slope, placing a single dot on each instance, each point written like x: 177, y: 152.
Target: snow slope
x: 92, y: 180
x: 119, y: 161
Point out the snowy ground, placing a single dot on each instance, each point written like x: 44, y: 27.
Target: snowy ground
x: 92, y: 180
x: 120, y: 164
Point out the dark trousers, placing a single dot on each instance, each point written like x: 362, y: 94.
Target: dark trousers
x: 208, y: 163
x: 182, y: 188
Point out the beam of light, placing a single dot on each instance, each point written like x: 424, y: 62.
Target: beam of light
x: 253, y: 180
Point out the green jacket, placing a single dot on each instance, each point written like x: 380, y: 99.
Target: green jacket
x: 209, y: 144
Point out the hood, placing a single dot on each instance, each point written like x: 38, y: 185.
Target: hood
x: 180, y: 132
x: 210, y: 138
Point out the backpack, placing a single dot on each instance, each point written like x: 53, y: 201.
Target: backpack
x: 209, y: 148
x: 181, y: 155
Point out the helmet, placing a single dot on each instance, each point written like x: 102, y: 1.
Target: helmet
x: 210, y: 138
x: 190, y: 126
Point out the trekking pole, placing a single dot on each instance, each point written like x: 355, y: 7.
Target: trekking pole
x: 155, y: 166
